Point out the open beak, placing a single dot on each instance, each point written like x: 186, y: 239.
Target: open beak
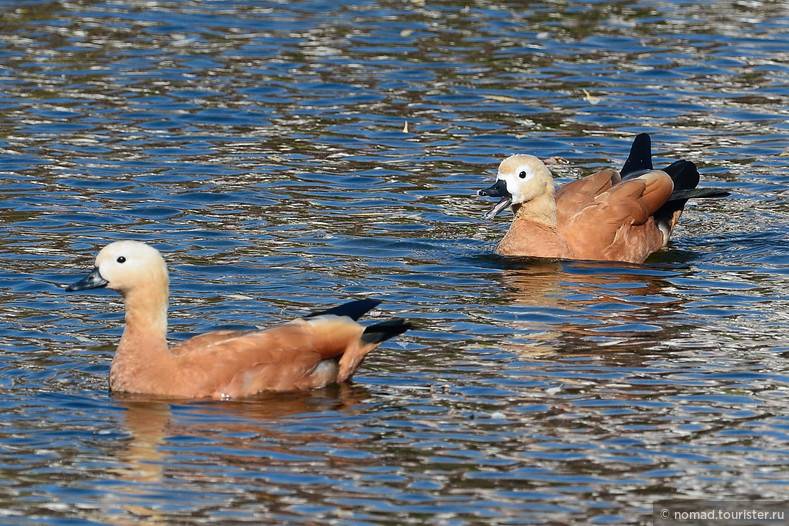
x: 499, y: 189
x: 91, y: 281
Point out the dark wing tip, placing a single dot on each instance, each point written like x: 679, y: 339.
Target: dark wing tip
x: 640, y: 157
x: 384, y: 330
x: 696, y: 193
x: 352, y: 309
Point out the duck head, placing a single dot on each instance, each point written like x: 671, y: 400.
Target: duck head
x: 520, y: 179
x: 123, y: 266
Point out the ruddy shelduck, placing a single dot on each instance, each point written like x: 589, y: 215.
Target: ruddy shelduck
x: 307, y: 353
x: 604, y: 216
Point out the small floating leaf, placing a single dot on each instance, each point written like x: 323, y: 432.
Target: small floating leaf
x: 591, y: 99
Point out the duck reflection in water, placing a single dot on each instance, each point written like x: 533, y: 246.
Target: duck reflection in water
x: 259, y: 434
x: 587, y: 308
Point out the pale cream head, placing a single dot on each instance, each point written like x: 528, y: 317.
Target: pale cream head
x: 526, y: 178
x: 126, y: 265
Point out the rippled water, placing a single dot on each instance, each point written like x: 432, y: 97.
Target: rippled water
x: 287, y: 156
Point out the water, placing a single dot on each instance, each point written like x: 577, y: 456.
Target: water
x: 263, y: 147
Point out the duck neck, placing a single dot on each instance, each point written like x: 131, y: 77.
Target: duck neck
x: 541, y: 209
x: 145, y: 333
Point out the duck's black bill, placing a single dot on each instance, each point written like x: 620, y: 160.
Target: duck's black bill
x: 499, y: 189
x: 91, y: 281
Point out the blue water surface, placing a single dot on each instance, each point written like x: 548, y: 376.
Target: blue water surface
x: 286, y: 157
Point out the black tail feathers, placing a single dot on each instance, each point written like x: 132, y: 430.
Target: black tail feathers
x: 384, y: 330
x: 684, y: 174
x: 693, y: 193
x: 352, y: 309
x: 686, y: 177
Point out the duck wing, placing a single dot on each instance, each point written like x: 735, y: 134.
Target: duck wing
x: 575, y: 195
x: 306, y: 353
x: 616, y: 225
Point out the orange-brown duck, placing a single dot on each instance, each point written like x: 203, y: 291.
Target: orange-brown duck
x: 604, y: 216
x: 306, y: 353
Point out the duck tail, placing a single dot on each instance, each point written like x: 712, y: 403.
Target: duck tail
x: 686, y: 177
x: 384, y: 330
x: 372, y: 336
x: 684, y: 174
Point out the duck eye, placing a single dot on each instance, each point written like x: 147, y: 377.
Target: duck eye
x: 522, y: 175
x: 121, y: 259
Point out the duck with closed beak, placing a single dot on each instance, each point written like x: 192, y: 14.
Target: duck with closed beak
x: 307, y: 353
x: 606, y: 216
